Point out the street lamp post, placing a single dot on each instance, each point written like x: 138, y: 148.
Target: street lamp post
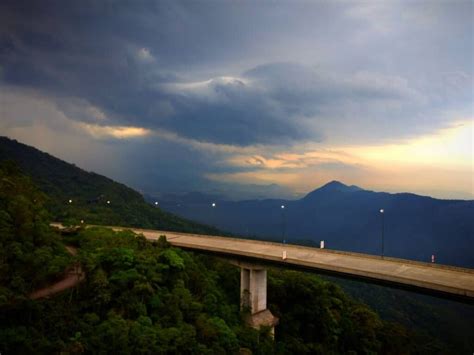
x: 68, y: 212
x: 283, y: 223
x: 382, y: 212
x: 213, y: 206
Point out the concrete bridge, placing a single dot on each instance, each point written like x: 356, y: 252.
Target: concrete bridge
x: 252, y: 256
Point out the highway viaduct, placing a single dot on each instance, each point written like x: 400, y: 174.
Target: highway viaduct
x: 253, y: 256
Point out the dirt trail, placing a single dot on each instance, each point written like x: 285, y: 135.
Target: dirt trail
x: 72, y: 277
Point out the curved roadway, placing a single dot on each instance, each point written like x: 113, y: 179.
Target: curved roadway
x: 431, y: 278
x: 441, y: 280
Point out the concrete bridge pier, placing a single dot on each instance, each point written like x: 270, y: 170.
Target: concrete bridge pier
x: 253, y: 296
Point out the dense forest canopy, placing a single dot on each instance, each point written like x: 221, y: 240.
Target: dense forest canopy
x: 30, y: 254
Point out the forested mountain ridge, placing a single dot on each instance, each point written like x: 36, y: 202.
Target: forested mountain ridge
x: 94, y: 198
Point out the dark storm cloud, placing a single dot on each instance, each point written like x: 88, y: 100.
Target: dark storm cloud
x: 241, y: 73
x: 118, y: 56
x: 94, y: 52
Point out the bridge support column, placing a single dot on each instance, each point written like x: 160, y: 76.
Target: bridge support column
x: 253, y: 296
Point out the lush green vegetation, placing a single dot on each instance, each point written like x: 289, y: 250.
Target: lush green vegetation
x: 143, y: 297
x: 30, y: 253
x: 95, y: 199
x: 448, y: 321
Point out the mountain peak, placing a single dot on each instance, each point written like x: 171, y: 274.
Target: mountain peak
x: 338, y: 186
x: 333, y: 186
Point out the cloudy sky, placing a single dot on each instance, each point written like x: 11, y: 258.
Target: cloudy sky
x: 247, y: 98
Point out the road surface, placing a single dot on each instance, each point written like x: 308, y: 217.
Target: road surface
x: 425, y: 277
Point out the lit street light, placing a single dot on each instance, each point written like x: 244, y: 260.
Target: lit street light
x: 70, y: 201
x: 156, y: 203
x: 108, y: 202
x: 213, y: 206
x: 283, y: 223
x: 382, y: 212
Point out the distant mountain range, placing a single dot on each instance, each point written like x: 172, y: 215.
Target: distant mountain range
x: 346, y: 218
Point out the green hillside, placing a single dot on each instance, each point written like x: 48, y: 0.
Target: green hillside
x: 94, y: 198
x: 30, y: 254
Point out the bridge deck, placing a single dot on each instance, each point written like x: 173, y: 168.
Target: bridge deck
x: 430, y: 277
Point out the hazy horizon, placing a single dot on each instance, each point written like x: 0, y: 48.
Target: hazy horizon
x: 253, y: 191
